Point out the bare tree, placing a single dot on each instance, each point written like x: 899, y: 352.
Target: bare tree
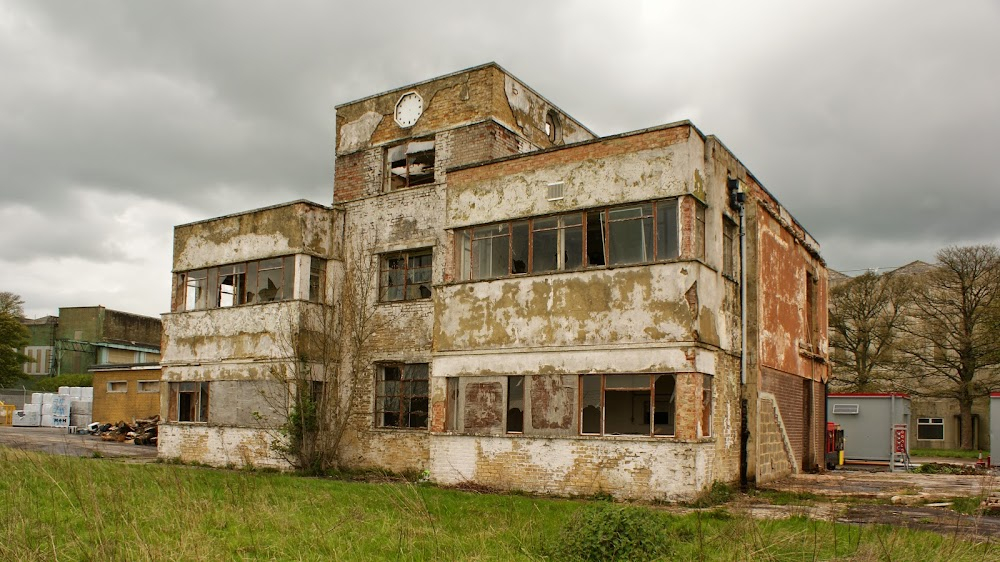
x: 331, y: 348
x: 866, y: 316
x: 953, y: 343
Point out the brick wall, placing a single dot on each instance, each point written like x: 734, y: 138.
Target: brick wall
x: 112, y: 407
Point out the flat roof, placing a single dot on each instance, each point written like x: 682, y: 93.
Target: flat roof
x: 868, y: 395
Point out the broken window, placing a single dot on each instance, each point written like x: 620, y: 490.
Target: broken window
x: 595, y: 238
x: 232, y: 284
x: 627, y: 404
x: 269, y: 280
x: 706, y: 406
x: 317, y: 279
x: 117, y: 386
x: 515, y: 404
x: 189, y: 402
x: 150, y: 387
x: 667, y: 232
x: 557, y: 243
x: 196, y: 293
x: 406, y: 275
x: 401, y: 398
x: 411, y: 164
x: 519, y: 245
x: 490, y: 251
x: 699, y: 231
x: 730, y: 249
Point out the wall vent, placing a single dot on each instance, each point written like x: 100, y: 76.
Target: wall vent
x: 556, y: 191
x: 845, y: 409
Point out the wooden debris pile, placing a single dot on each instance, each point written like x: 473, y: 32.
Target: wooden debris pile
x: 140, y: 432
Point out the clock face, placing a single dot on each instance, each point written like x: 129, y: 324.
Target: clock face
x: 408, y: 109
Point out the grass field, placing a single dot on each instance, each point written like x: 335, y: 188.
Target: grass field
x: 64, y: 508
x: 946, y: 453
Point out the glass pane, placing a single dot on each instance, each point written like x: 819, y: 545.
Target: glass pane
x: 595, y: 238
x: 575, y: 219
x: 519, y: 244
x: 545, y: 256
x: 666, y: 230
x: 416, y: 371
x: 273, y: 263
x: 573, y: 247
x: 630, y: 241
x: 544, y: 223
x: 590, y: 404
x: 464, y: 250
x: 269, y: 285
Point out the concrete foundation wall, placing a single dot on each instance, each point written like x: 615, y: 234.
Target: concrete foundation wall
x: 219, y: 446
x: 644, y: 469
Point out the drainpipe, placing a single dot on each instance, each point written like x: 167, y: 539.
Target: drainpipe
x: 737, y: 198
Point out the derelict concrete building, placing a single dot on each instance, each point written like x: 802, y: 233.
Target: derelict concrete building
x: 564, y: 310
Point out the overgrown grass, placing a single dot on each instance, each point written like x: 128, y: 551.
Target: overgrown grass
x: 946, y: 453
x: 95, y: 509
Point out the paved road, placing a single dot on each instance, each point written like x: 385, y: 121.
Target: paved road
x: 59, y: 442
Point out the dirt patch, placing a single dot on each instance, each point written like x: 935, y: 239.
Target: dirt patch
x: 939, y: 520
x: 58, y: 441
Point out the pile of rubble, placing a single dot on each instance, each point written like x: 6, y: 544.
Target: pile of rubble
x: 140, y: 432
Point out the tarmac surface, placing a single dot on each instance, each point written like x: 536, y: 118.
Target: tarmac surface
x: 59, y: 441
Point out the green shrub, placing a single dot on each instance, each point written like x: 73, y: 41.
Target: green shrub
x: 718, y: 494
x: 605, y: 531
x: 52, y: 384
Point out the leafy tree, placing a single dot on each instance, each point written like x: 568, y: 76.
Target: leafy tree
x: 13, y: 337
x: 953, y: 345
x: 11, y: 304
x: 866, y: 317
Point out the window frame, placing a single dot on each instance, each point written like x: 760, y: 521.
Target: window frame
x: 201, y: 287
x: 198, y: 409
x: 930, y: 422
x: 409, y: 159
x: 404, y: 397
x: 730, y: 247
x: 406, y: 256
x: 649, y: 412
x: 470, y: 240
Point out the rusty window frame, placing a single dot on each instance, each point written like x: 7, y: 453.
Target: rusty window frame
x: 650, y: 411
x: 595, y: 220
x: 201, y: 289
x: 515, y: 397
x: 405, y: 405
x: 412, y: 267
x: 401, y: 161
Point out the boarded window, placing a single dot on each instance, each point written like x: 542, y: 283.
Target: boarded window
x: 411, y: 164
x: 406, y: 275
x: 483, y: 407
x: 451, y: 413
x: 402, y: 396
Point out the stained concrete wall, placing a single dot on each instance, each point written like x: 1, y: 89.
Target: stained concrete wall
x: 221, y: 446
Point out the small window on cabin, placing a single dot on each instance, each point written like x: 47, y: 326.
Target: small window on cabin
x: 410, y: 164
x: 148, y: 387
x: 115, y: 387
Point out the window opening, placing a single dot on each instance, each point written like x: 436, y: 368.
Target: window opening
x: 595, y: 238
x: 699, y: 231
x: 232, y: 284
x: 519, y: 247
x: 930, y: 429
x: 406, y: 275
x: 148, y: 387
x: 192, y: 401
x: 269, y: 280
x: 317, y: 279
x: 451, y: 414
x: 630, y: 234
x: 515, y: 404
x: 706, y: 406
x: 627, y: 404
x: 729, y: 247
x: 667, y: 232
x: 557, y: 243
x: 402, y: 396
x: 197, y: 290
x: 117, y: 386
x: 490, y: 251
x: 411, y: 164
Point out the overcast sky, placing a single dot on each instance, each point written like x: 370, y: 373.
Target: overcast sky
x: 875, y: 123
